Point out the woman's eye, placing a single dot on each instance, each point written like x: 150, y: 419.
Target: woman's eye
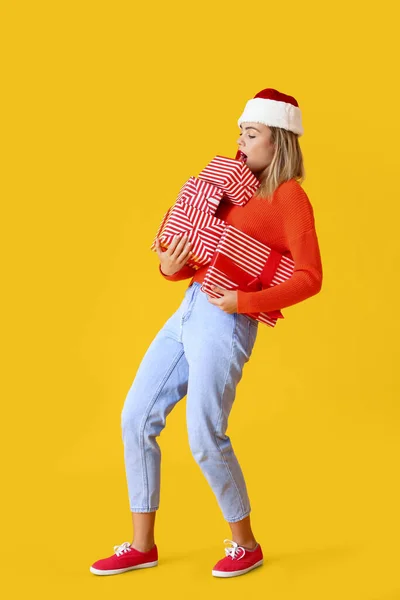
x: 252, y: 136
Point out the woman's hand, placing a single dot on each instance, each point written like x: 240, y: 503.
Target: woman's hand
x: 229, y: 301
x: 176, y: 256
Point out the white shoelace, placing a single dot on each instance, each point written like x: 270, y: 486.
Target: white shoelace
x: 234, y: 552
x: 125, y: 547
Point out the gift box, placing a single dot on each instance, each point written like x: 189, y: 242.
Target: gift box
x: 198, y: 199
x: 203, y: 195
x: 197, y: 193
x: 233, y: 177
x: 204, y: 231
x: 242, y: 262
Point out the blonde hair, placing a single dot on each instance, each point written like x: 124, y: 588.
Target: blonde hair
x: 287, y: 163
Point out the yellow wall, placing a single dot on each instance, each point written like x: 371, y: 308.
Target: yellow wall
x: 109, y: 108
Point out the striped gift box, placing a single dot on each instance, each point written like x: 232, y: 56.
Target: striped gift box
x: 202, y: 194
x: 204, y: 231
x: 233, y: 177
x: 242, y: 262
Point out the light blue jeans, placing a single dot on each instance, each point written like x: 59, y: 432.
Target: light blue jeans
x: 199, y: 353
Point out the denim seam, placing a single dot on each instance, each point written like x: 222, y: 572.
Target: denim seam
x: 238, y: 518
x: 252, y: 331
x: 249, y: 332
x: 144, y: 421
x: 191, y: 304
x: 221, y: 411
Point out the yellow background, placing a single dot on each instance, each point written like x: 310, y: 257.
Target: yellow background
x: 108, y: 108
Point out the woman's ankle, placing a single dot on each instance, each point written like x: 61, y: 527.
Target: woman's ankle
x: 143, y: 546
x: 247, y: 544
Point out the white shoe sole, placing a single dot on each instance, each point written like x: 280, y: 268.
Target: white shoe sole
x: 116, y: 571
x: 235, y: 573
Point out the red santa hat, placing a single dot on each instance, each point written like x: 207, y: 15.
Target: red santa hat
x: 274, y: 109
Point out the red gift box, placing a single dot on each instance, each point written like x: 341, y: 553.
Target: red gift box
x: 242, y: 262
x: 201, y: 194
x: 196, y: 204
x: 204, y: 231
x: 233, y: 177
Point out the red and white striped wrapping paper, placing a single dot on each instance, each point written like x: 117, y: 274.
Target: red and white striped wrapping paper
x: 201, y: 194
x: 233, y: 177
x: 223, y: 178
x: 204, y: 231
x: 242, y: 262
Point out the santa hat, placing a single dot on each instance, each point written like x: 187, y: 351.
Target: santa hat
x: 274, y: 109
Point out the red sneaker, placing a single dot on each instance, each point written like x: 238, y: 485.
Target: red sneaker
x: 238, y: 560
x: 124, y: 559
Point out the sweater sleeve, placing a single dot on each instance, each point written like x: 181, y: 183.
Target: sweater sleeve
x: 183, y: 273
x: 306, y: 280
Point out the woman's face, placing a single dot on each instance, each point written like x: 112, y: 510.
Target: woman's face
x: 255, y: 142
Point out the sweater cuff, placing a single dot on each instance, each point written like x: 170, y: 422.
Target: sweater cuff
x: 246, y: 300
x: 241, y: 301
x: 183, y: 273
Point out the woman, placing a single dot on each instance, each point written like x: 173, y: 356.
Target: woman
x: 201, y: 350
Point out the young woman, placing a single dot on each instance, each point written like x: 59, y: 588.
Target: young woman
x: 201, y: 350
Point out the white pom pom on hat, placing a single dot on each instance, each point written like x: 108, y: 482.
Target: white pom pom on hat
x: 275, y: 109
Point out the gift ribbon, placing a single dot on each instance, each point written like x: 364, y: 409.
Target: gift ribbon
x: 247, y: 282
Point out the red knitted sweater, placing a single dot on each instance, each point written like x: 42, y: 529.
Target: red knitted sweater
x: 287, y: 225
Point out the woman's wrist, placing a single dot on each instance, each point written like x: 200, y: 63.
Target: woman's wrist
x: 166, y: 272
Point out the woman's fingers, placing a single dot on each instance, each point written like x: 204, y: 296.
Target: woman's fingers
x: 175, y: 254
x: 186, y: 252
x: 158, y: 247
x: 178, y: 249
x: 186, y: 248
x: 174, y: 244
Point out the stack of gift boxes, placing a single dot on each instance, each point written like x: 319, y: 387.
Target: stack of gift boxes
x: 235, y: 260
